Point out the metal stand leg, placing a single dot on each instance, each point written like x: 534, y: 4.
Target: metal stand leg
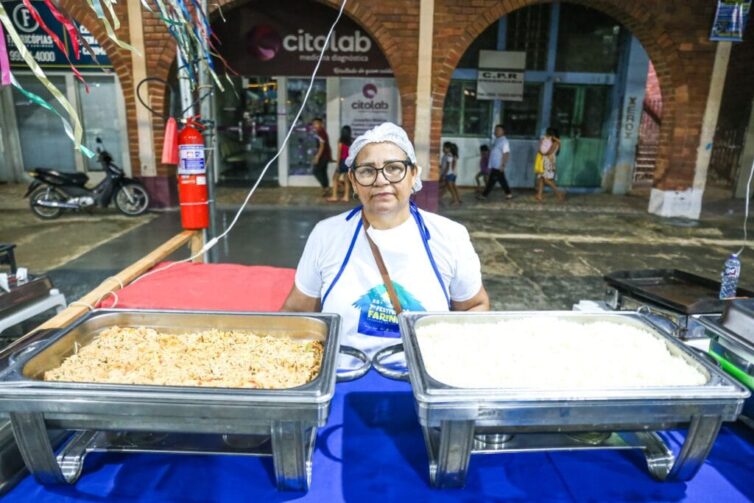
x: 71, y: 459
x: 449, y: 453
x: 292, y: 446
x: 660, y: 460
x: 33, y: 442
x: 702, y: 434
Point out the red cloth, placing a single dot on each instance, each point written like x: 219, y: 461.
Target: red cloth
x: 210, y: 287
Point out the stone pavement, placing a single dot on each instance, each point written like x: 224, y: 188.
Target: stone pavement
x: 534, y: 256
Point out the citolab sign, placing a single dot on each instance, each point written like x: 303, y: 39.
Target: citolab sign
x: 304, y: 41
x: 270, y: 38
x: 365, y: 105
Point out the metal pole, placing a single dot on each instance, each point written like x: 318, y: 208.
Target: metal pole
x: 206, y: 110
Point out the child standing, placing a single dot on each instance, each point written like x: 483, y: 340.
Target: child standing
x: 484, y: 168
x: 452, y: 174
x: 341, y: 173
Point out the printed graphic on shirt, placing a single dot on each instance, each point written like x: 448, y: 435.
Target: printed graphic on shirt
x: 377, y: 316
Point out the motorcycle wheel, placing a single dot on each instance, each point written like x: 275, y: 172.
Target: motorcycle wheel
x: 132, y: 199
x: 46, y: 194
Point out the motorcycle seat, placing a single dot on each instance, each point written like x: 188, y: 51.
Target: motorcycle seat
x: 75, y: 178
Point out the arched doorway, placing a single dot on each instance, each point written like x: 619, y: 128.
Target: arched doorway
x: 585, y: 76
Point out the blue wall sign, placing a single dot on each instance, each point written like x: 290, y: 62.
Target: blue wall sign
x: 730, y: 20
x: 41, y: 45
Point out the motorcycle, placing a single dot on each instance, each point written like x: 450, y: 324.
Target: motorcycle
x: 51, y: 191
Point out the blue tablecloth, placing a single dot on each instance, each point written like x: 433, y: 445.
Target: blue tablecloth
x: 372, y: 449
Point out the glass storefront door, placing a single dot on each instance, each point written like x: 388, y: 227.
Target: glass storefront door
x: 578, y: 113
x: 303, y: 143
x: 247, y: 130
x: 43, y: 142
x: 99, y: 115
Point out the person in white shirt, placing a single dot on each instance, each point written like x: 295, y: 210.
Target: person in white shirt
x: 431, y: 263
x: 500, y: 154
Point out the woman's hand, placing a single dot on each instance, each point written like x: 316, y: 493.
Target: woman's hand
x: 479, y: 302
x: 298, y: 302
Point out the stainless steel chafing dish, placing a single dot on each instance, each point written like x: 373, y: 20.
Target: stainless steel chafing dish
x: 118, y: 417
x: 458, y: 422
x: 732, y: 344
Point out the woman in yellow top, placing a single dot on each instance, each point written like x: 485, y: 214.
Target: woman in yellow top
x: 549, y: 145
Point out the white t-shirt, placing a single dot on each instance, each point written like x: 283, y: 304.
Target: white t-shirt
x: 359, y: 295
x: 500, y: 146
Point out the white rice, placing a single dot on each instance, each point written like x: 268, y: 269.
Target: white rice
x: 550, y: 354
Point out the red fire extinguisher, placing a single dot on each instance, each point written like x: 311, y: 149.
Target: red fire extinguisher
x: 192, y: 176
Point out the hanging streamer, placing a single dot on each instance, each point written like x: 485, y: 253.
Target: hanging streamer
x: 96, y: 6
x: 35, y: 14
x: 78, y: 132
x: 73, y: 32
x: 42, y: 103
x: 4, y: 63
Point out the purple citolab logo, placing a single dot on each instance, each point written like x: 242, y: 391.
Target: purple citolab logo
x: 263, y: 42
x: 369, y: 91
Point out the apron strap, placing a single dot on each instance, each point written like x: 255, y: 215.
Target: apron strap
x: 424, y: 233
x: 383, y: 270
x: 345, y: 260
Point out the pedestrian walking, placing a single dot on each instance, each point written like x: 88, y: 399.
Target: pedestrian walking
x: 483, y: 176
x: 549, y: 146
x: 323, y: 155
x: 500, y: 154
x: 341, y: 173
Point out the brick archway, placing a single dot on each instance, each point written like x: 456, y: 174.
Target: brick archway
x: 392, y: 25
x: 665, y: 43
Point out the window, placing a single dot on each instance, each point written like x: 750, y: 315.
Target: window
x: 529, y: 30
x: 587, y: 40
x: 486, y: 41
x: 520, y: 117
x: 464, y: 115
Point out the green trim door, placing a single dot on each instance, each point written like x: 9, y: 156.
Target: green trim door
x: 578, y: 113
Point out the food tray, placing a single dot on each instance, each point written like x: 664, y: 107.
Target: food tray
x: 460, y: 421
x: 121, y: 417
x: 738, y: 317
x: 735, y: 354
x: 678, y: 291
x: 36, y: 288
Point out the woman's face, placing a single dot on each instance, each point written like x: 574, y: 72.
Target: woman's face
x: 383, y: 197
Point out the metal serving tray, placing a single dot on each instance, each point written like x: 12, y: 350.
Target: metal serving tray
x: 281, y: 423
x: 460, y: 421
x: 678, y: 291
x: 735, y: 354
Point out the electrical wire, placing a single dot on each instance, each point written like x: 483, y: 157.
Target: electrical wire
x: 212, y: 242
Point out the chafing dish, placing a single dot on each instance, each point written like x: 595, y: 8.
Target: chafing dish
x: 281, y: 423
x: 732, y: 344
x: 669, y: 293
x: 458, y: 422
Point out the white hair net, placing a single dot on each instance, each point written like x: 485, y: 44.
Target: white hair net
x: 386, y: 132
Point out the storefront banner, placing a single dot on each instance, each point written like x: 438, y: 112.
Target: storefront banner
x: 501, y: 75
x: 367, y: 103
x: 730, y: 20
x: 271, y: 38
x: 41, y: 44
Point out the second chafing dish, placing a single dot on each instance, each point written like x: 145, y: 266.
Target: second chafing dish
x: 458, y: 422
x: 119, y: 417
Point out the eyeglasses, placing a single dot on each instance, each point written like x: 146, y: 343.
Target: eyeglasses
x: 393, y: 171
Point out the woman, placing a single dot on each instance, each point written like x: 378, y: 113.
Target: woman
x: 549, y: 145
x: 429, y: 259
x: 344, y: 144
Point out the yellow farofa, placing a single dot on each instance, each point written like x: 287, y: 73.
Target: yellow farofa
x: 213, y: 358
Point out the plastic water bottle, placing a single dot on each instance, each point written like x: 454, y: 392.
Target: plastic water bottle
x: 729, y: 277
